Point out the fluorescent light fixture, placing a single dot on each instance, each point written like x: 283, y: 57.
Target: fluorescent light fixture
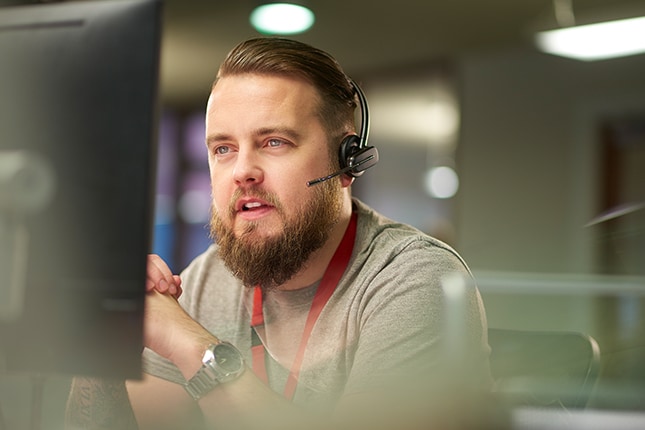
x: 282, y: 18
x: 596, y: 41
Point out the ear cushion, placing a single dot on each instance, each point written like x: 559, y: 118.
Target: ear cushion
x: 348, y: 147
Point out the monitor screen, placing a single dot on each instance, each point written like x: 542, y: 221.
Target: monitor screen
x: 78, y: 121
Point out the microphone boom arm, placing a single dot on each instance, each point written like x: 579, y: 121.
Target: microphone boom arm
x: 340, y: 172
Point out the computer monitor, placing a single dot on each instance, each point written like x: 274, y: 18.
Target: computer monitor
x: 78, y: 122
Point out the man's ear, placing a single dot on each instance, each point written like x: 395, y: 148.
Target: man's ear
x: 346, y: 180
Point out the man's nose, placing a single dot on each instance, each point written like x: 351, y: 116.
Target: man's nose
x: 247, y: 170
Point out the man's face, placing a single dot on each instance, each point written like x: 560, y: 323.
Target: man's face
x: 265, y: 141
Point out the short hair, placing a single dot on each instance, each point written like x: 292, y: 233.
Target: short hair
x: 285, y: 57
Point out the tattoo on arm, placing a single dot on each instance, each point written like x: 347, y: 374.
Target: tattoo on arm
x: 99, y: 404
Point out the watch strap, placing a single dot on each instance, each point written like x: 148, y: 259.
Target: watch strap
x: 202, y: 382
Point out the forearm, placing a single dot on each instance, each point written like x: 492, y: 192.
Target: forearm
x: 242, y: 403
x: 249, y: 404
x: 99, y: 404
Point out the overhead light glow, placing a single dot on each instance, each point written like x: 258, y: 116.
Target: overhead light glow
x: 595, y: 41
x: 282, y: 18
x: 441, y: 182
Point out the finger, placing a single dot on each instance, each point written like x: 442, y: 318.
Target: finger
x: 158, y: 267
x: 153, y: 277
x: 159, y: 275
x: 177, y: 286
x: 179, y: 291
x: 177, y: 280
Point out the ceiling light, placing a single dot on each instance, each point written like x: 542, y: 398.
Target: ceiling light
x: 595, y: 41
x: 441, y: 182
x: 282, y: 18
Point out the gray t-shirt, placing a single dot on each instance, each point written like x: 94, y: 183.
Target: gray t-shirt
x: 384, y: 322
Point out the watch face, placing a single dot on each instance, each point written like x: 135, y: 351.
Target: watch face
x: 227, y: 357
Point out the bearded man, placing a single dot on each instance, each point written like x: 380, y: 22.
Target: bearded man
x: 310, y: 308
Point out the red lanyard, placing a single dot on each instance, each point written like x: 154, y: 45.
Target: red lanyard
x: 328, y: 284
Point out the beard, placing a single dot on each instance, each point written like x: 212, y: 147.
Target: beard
x: 269, y: 262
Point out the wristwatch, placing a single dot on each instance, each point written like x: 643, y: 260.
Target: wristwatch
x: 222, y: 362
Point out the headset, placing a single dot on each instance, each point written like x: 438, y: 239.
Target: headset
x: 354, y: 155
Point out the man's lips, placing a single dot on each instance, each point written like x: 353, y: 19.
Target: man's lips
x: 251, y: 204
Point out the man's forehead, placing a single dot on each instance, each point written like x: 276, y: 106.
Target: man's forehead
x: 270, y: 83
x: 247, y: 108
x: 258, y: 95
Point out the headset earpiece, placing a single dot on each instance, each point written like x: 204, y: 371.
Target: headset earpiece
x: 354, y: 158
x: 348, y: 147
x: 354, y: 155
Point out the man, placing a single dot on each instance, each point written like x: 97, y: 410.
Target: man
x: 332, y: 307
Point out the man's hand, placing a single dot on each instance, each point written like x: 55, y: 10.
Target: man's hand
x: 168, y: 329
x: 161, y: 278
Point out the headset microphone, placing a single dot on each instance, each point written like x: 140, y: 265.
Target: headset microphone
x: 354, y: 155
x: 372, y: 158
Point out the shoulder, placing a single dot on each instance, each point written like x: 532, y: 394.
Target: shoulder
x: 380, y: 238
x: 399, y: 276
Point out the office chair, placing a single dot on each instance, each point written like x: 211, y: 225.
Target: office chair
x: 544, y: 368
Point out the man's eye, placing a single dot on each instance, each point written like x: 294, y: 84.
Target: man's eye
x: 274, y: 143
x: 221, y: 150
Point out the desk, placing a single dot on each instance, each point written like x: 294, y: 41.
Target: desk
x: 588, y: 419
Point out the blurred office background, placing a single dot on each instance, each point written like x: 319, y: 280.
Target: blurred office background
x: 530, y: 164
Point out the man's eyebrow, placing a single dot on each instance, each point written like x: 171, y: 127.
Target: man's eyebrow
x: 264, y: 131
x: 218, y: 137
x: 285, y: 131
